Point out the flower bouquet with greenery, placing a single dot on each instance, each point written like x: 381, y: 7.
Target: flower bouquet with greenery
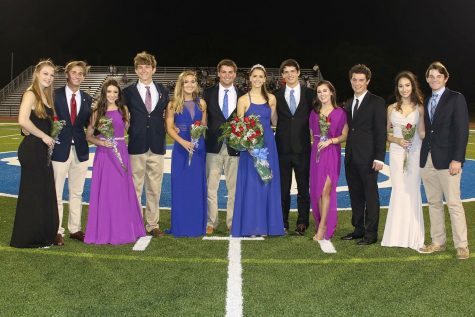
x: 197, y: 130
x: 408, y: 132
x: 106, y: 128
x: 324, y: 123
x: 56, y: 127
x: 247, y: 134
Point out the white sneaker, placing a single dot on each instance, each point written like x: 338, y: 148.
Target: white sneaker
x: 326, y: 246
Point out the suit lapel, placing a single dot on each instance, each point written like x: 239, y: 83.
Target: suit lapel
x: 215, y: 98
x: 302, y: 97
x: 360, y: 106
x: 440, y: 105
x: 160, y: 96
x: 281, y: 97
x: 83, y: 107
x: 136, y: 95
x: 63, y: 105
x: 348, y: 109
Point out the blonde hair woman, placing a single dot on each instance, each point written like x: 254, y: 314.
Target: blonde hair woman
x: 36, y: 218
x: 189, y: 196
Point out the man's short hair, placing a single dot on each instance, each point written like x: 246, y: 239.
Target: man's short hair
x: 226, y: 62
x: 289, y: 62
x: 73, y: 64
x: 439, y: 67
x: 360, y: 69
x: 144, y: 58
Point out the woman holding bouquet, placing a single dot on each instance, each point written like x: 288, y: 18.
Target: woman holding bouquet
x: 257, y: 206
x: 405, y: 221
x: 186, y: 122
x: 329, y: 128
x: 115, y: 216
x: 36, y: 218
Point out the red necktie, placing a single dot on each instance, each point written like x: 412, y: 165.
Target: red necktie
x: 73, y: 109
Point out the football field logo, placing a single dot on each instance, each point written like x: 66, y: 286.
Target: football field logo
x: 10, y: 180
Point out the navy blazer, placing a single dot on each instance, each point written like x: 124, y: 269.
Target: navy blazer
x: 72, y: 132
x: 447, y: 136
x: 147, y: 130
x: 216, y: 119
x: 367, y: 133
x: 292, y: 134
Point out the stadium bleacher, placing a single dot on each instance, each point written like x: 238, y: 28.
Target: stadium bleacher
x: 10, y: 95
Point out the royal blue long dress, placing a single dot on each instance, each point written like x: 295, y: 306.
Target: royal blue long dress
x: 189, y: 193
x: 257, y: 206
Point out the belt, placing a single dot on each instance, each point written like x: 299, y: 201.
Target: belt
x: 121, y: 138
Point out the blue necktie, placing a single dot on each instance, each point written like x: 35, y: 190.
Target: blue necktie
x: 432, y: 106
x: 225, y: 103
x: 293, y: 103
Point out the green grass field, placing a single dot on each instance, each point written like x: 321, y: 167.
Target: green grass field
x: 287, y: 276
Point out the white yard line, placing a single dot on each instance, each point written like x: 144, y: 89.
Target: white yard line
x: 234, y: 298
x: 142, y: 243
x: 8, y: 136
x: 234, y: 287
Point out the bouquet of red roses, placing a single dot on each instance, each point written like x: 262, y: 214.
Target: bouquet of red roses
x: 247, y: 134
x: 56, y: 127
x: 197, y: 130
x: 408, y: 132
x: 106, y: 128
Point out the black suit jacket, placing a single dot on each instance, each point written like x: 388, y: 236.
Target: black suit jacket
x: 292, y: 133
x: 367, y: 133
x: 147, y: 130
x: 447, y: 136
x: 71, y: 132
x: 216, y: 119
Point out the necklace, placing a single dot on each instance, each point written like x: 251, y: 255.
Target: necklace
x: 326, y: 112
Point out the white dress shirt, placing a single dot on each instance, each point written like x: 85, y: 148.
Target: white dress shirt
x: 360, y: 98
x: 296, y: 95
x: 69, y: 94
x: 153, y: 91
x: 232, y: 98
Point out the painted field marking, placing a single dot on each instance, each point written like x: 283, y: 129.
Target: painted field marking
x: 234, y: 284
x: 158, y: 259
x: 142, y: 243
x: 8, y: 136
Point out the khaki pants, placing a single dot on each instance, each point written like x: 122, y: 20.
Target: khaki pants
x: 76, y: 172
x: 214, y: 166
x: 439, y: 184
x: 148, y: 168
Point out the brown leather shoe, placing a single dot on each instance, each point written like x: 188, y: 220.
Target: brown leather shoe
x: 209, y: 230
x: 300, y: 230
x: 77, y: 235
x: 58, y: 240
x: 157, y: 233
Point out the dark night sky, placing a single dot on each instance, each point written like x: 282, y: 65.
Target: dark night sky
x: 389, y: 36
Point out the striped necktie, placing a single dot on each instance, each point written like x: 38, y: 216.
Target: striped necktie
x: 293, y: 103
x: 148, y: 99
x: 225, y: 104
x: 432, y: 106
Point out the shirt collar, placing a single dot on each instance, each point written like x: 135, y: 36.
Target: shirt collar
x: 296, y: 88
x: 360, y: 98
x: 439, y: 92
x: 222, y: 88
